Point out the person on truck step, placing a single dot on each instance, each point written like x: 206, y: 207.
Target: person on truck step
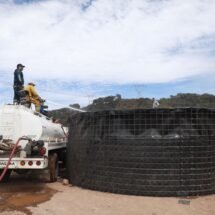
x: 18, y: 83
x: 33, y: 97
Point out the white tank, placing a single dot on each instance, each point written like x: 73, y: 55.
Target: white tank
x: 17, y: 121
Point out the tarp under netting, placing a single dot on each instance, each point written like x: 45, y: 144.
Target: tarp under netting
x: 151, y: 152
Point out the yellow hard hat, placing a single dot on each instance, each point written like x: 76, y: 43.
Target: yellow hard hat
x: 31, y: 84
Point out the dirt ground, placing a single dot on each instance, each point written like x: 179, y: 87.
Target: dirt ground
x: 32, y: 195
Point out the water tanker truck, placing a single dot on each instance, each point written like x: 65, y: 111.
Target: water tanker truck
x: 29, y: 141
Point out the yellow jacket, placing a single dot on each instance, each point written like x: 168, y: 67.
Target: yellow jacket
x: 32, y: 92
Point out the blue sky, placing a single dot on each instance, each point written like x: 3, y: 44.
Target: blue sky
x: 78, y: 50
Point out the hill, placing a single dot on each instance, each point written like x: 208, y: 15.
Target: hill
x: 117, y: 102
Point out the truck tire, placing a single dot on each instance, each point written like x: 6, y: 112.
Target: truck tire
x: 6, y: 176
x: 53, y: 167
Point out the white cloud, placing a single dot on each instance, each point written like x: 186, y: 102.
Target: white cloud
x: 120, y: 41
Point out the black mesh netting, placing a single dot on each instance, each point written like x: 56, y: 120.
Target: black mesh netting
x: 153, y: 152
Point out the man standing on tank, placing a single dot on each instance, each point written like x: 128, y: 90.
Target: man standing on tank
x: 18, y: 83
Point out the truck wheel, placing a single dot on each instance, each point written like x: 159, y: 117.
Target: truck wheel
x: 53, y: 167
x: 6, y: 176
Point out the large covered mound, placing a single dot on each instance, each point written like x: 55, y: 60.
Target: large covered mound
x: 152, y: 152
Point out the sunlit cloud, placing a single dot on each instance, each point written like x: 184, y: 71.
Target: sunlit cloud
x: 108, y: 41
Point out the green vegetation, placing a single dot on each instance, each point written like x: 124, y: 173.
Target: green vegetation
x: 117, y: 102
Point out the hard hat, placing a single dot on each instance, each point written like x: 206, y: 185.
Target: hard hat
x: 20, y: 65
x: 31, y: 84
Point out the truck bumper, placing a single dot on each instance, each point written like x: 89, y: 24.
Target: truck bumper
x: 25, y: 163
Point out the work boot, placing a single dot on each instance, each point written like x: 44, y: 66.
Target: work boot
x: 15, y: 102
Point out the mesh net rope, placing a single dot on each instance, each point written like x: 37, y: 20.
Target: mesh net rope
x: 151, y: 152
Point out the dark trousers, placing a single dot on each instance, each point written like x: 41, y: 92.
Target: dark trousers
x: 16, y: 98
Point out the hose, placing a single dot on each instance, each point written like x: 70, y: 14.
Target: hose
x: 11, y: 156
x: 72, y: 108
x: 8, y: 146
